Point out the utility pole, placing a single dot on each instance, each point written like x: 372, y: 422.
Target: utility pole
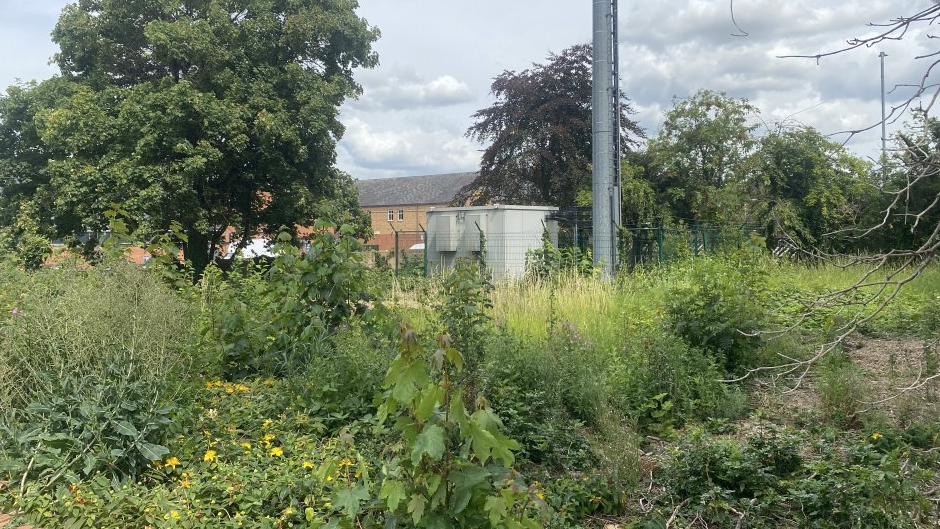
x: 606, y: 137
x: 884, y: 134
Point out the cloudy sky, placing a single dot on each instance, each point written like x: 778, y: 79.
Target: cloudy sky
x: 438, y: 58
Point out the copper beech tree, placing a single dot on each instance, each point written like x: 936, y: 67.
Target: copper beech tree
x: 539, y: 133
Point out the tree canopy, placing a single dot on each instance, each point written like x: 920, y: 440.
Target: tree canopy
x: 539, y: 132
x: 712, y: 165
x: 699, y: 151
x: 210, y: 113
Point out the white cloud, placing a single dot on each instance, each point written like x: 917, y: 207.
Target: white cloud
x: 439, y: 58
x: 402, y: 88
x: 404, y: 151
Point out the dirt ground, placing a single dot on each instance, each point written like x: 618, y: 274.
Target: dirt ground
x: 893, y: 378
x: 5, y: 522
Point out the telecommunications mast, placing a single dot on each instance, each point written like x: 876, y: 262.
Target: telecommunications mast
x: 606, y: 137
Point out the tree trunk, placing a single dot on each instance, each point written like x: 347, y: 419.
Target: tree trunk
x: 196, y: 251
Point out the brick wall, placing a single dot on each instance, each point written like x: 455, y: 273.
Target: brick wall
x: 414, y: 219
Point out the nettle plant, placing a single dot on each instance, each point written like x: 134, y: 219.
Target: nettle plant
x: 453, y: 468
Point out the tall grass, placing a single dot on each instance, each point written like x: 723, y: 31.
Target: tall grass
x: 606, y: 312
x: 76, y: 323
x: 602, y: 311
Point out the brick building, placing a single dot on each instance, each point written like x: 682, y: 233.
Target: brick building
x: 401, y: 204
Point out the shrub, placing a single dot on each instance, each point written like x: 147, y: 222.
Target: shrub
x: 343, y: 381
x: 548, y: 437
x: 663, y: 383
x: 462, y: 307
x: 841, y: 385
x: 94, y: 356
x: 246, y: 457
x: 549, y: 261
x: 564, y: 367
x: 777, y: 477
x: 719, y: 306
x: 274, y: 322
x: 451, y: 467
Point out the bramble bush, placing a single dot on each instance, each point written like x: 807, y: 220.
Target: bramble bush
x: 664, y: 383
x: 718, y: 303
x: 776, y: 474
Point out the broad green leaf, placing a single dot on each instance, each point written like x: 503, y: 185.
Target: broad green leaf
x: 416, y: 507
x: 408, y: 380
x: 466, y: 481
x: 392, y: 492
x: 455, y: 357
x: 429, y: 400
x: 458, y: 413
x: 482, y: 443
x: 434, y: 482
x: 90, y: 462
x: 152, y: 452
x: 495, y: 508
x: 348, y: 500
x: 126, y: 428
x: 429, y: 442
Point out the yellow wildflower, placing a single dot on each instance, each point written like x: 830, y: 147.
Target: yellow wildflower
x: 246, y: 446
x: 185, y: 484
x: 268, y: 382
x: 209, y: 457
x: 540, y: 495
x: 158, y: 464
x: 269, y: 436
x: 173, y: 462
x: 329, y: 478
x: 175, y: 515
x: 277, y: 451
x: 307, y: 465
x: 229, y: 389
x: 875, y: 436
x: 241, y: 387
x: 267, y: 423
x: 346, y: 462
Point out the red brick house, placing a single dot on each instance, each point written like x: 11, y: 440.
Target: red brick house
x: 401, y: 204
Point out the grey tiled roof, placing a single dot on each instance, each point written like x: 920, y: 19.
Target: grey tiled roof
x: 413, y: 190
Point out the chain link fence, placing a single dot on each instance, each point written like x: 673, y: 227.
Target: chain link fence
x: 512, y: 255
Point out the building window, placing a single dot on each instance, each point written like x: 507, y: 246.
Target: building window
x: 391, y: 215
x: 401, y: 214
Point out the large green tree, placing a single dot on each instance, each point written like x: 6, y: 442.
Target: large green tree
x: 539, y: 133
x: 699, y: 151
x: 210, y: 113
x: 809, y: 187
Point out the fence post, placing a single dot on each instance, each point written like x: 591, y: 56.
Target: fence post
x: 396, y: 253
x: 424, y: 233
x: 659, y: 244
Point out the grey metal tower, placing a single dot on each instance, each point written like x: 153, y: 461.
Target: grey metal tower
x: 606, y: 136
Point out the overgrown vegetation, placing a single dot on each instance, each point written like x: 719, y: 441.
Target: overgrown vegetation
x: 293, y: 393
